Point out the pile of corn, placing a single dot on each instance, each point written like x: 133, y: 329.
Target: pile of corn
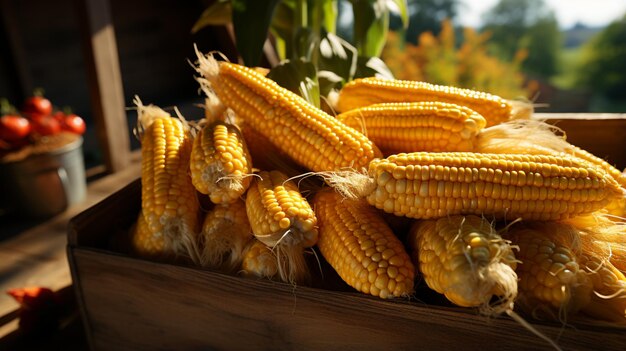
x: 505, y: 214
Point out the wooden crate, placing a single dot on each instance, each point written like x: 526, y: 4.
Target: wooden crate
x: 133, y: 304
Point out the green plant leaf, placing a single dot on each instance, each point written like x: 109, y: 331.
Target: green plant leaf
x: 282, y: 28
x: 251, y: 19
x: 372, y: 67
x: 329, y: 10
x: 337, y: 55
x: 300, y: 77
x: 371, y: 24
x: 218, y: 14
x: 401, y: 8
x: 328, y: 81
x: 303, y: 43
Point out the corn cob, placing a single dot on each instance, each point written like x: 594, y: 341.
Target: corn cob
x: 267, y: 156
x: 369, y: 91
x: 417, y: 126
x: 309, y: 136
x: 168, y: 198
x: 282, y: 219
x: 551, y: 279
x: 220, y: 162
x: 145, y: 243
x: 259, y: 261
x: 225, y: 233
x: 609, y: 284
x: 538, y: 138
x: 430, y: 185
x: 603, y: 237
x: 465, y: 259
x: 602, y: 256
x: 360, y: 246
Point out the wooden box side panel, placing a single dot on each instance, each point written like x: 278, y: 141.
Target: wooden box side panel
x: 604, y: 135
x: 98, y: 225
x: 131, y: 304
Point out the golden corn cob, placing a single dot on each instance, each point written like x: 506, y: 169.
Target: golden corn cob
x: 220, y: 162
x: 225, y: 233
x: 267, y: 156
x: 144, y: 242
x: 282, y: 219
x: 538, y: 138
x: 464, y: 258
x: 259, y: 261
x: 609, y: 284
x: 168, y: 198
x: 417, y: 126
x: 369, y: 91
x: 551, y: 279
x: 360, y: 246
x: 602, y: 236
x: 430, y: 185
x: 308, y: 135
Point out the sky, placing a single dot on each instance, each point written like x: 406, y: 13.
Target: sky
x: 568, y: 12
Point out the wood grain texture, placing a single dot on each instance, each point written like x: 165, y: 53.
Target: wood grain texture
x: 103, y: 71
x: 603, y: 134
x: 133, y: 304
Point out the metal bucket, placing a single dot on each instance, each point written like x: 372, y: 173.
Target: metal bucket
x: 43, y: 185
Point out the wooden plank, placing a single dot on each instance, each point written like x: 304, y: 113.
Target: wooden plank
x: 103, y: 71
x: 603, y: 134
x: 131, y: 304
x: 15, y: 51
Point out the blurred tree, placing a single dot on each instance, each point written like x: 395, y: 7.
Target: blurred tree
x: 426, y: 16
x: 525, y: 25
x: 603, y: 67
x: 437, y: 60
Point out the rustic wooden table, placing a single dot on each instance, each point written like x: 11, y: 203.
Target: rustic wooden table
x: 37, y: 256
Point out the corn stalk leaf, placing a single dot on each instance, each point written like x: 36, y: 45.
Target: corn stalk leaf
x: 282, y: 29
x: 371, y: 24
x: 251, y: 19
x: 218, y: 14
x: 400, y: 7
x: 328, y: 81
x: 329, y: 12
x: 299, y: 76
x: 337, y: 55
x: 372, y: 67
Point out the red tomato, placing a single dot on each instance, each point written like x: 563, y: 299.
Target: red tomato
x: 37, y: 105
x: 13, y: 128
x: 74, y: 123
x: 46, y: 125
x: 59, y: 116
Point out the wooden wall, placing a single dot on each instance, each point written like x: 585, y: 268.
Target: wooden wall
x: 154, y: 43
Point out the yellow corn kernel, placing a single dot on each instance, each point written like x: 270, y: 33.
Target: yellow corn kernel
x: 259, y: 261
x: 430, y: 185
x: 309, y: 136
x: 282, y: 219
x: 168, y: 198
x: 144, y: 242
x: 417, y: 126
x: 225, y: 233
x: 220, y: 162
x: 465, y: 259
x: 533, y: 137
x: 360, y: 246
x: 609, y: 284
x: 551, y: 279
x: 369, y: 91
